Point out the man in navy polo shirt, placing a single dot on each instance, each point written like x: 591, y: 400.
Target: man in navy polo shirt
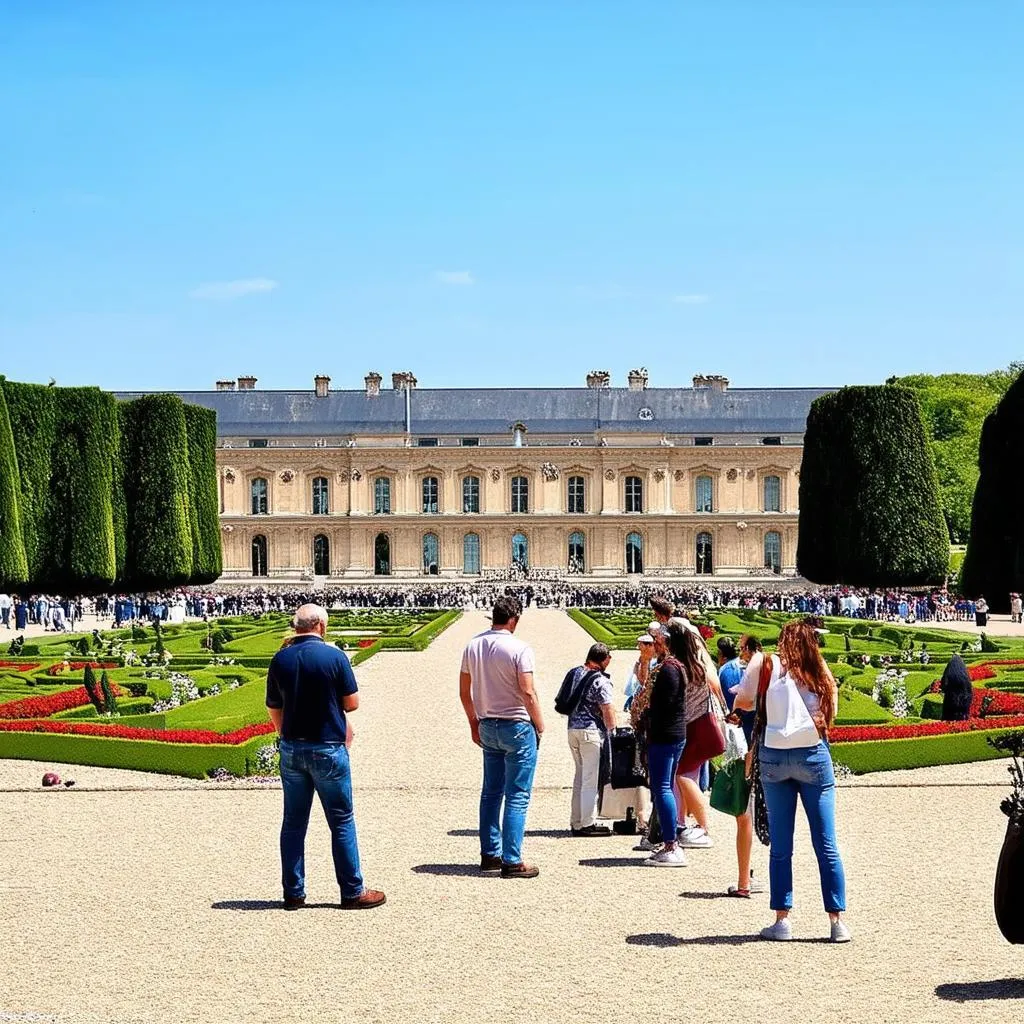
x: 310, y: 687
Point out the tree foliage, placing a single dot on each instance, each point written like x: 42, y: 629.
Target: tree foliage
x: 201, y: 425
x: 994, y: 564
x: 954, y: 406
x: 869, y: 500
x: 13, y: 564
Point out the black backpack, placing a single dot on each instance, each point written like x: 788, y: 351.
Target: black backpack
x: 568, y: 698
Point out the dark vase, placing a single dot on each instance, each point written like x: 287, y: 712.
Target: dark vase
x: 1009, y: 894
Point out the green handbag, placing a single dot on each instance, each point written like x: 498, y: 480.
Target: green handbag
x: 730, y: 793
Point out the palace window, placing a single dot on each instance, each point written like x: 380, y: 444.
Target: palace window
x: 703, y: 442
x: 431, y: 554
x: 577, y: 552
x: 259, y: 555
x: 704, y: 491
x: 577, y: 495
x: 321, y: 556
x: 471, y: 554
x: 430, y: 494
x: 634, y: 554
x: 771, y: 440
x: 772, y: 494
x: 470, y: 442
x: 426, y: 442
x: 258, y: 492
x: 773, y: 551
x: 321, y: 501
x: 634, y: 494
x: 258, y: 443
x: 471, y: 494
x: 382, y: 497
x: 520, y: 494
x: 705, y: 554
x: 382, y: 555
x: 520, y: 551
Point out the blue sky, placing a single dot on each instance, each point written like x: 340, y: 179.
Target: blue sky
x: 500, y: 193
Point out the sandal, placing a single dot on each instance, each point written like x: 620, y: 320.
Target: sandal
x: 743, y: 894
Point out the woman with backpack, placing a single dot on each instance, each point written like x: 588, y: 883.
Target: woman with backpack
x: 796, y: 705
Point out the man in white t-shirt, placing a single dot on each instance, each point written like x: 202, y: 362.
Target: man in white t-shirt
x: 497, y: 693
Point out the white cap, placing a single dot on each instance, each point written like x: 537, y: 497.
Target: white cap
x: 645, y: 639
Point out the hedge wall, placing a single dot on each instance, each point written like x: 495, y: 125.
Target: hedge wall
x: 869, y: 496
x: 994, y: 563
x: 154, y: 453
x: 889, y: 755
x: 204, y: 513
x: 13, y: 564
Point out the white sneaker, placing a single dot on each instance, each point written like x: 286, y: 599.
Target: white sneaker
x: 840, y: 932
x: 674, y: 858
x: 695, y: 839
x: 781, y: 931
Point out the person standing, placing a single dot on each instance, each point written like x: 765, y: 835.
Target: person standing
x: 796, y: 709
x: 5, y: 609
x: 21, y: 614
x: 498, y: 696
x: 310, y: 690
x: 590, y: 720
x: 1016, y: 608
x: 981, y: 612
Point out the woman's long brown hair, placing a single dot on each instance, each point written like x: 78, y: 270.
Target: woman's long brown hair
x: 801, y: 656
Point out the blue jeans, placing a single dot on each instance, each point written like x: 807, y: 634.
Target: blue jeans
x: 322, y: 768
x: 804, y: 772
x: 662, y: 762
x: 510, y: 759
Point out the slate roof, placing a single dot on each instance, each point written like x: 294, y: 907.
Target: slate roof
x: 492, y: 411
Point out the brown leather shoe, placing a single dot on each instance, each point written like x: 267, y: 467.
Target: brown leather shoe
x: 369, y: 899
x: 489, y: 865
x: 519, y: 870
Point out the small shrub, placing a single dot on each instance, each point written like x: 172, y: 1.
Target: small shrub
x: 92, y: 688
x: 83, y: 645
x: 109, y: 700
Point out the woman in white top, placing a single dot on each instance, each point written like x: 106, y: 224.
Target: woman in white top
x: 799, y: 707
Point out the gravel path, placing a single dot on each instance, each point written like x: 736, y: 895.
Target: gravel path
x: 160, y: 904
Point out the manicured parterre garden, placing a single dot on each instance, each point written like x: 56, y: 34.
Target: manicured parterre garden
x: 186, y: 699
x: 889, y: 707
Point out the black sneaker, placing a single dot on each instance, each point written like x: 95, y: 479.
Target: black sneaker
x: 489, y: 865
x: 592, y: 830
x: 294, y: 902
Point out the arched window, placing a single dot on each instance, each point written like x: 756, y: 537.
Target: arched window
x: 431, y: 554
x: 773, y: 551
x: 520, y: 494
x: 705, y: 554
x: 634, y: 553
x: 430, y: 494
x: 577, y: 496
x: 321, y: 502
x: 259, y: 555
x: 258, y: 490
x: 382, y: 555
x: 382, y: 498
x: 577, y: 552
x: 772, y: 494
x: 521, y: 551
x: 634, y: 494
x: 321, y: 556
x: 471, y: 554
x: 471, y: 494
x: 704, y: 494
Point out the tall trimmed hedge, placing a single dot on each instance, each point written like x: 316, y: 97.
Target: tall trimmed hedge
x: 155, y: 459
x: 13, y: 564
x: 201, y: 425
x: 994, y: 563
x: 869, y: 497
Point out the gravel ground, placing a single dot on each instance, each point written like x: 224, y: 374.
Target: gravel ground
x: 159, y: 903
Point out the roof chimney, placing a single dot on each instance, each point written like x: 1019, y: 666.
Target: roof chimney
x: 710, y: 382
x: 322, y: 384
x: 404, y: 381
x: 246, y: 383
x: 372, y: 381
x: 225, y: 385
x: 599, y: 379
x: 638, y: 379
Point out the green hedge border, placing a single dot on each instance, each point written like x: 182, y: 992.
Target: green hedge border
x: 924, y: 752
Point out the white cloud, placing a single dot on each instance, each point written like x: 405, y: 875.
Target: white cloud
x: 455, y: 277
x: 691, y: 300
x: 227, y: 290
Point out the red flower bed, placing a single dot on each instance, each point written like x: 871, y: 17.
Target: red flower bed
x: 365, y: 642
x: 19, y: 666
x: 998, y: 703
x: 861, y: 733
x: 43, y: 707
x: 977, y: 673
x: 78, y: 666
x: 707, y: 632
x: 134, y: 732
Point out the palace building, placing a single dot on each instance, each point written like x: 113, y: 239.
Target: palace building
x: 406, y: 483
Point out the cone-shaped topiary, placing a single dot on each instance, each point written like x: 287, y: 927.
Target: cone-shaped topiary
x: 869, y: 499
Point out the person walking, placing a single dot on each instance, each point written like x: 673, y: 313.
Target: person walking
x: 796, y: 707
x: 498, y: 696
x: 591, y: 717
x: 310, y: 691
